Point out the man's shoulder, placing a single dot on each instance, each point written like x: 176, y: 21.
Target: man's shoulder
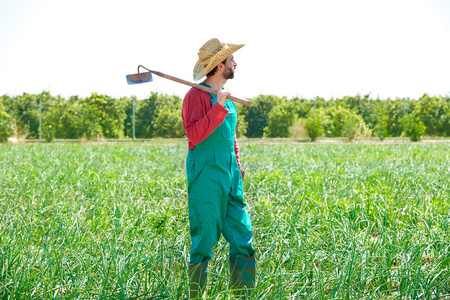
x: 196, y: 100
x: 195, y: 93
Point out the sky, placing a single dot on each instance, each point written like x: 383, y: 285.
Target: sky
x: 302, y: 48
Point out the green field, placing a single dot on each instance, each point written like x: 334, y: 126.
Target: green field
x: 341, y: 221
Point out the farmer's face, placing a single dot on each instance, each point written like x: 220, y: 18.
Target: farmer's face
x: 230, y: 66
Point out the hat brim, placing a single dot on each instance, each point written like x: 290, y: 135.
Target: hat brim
x: 200, y: 71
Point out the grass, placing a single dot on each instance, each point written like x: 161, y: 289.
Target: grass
x: 330, y: 222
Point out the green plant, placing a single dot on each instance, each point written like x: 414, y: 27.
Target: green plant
x: 380, y: 129
x: 167, y: 122
x: 257, y: 115
x: 280, y: 119
x: 86, y: 221
x: 431, y: 111
x: 241, y: 124
x: 6, y: 124
x: 298, y: 129
x: 413, y: 126
x: 343, y: 122
x: 315, y: 123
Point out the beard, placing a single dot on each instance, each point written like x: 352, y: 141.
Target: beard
x: 228, y: 73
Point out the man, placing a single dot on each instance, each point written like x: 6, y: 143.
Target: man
x: 214, y: 175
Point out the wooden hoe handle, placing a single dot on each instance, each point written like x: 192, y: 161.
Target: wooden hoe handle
x: 198, y: 86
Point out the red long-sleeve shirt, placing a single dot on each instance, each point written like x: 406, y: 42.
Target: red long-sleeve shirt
x: 201, y: 118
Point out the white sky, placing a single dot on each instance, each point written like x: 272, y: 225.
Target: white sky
x: 326, y: 48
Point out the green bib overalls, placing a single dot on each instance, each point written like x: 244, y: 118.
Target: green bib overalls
x: 215, y: 193
x: 216, y: 206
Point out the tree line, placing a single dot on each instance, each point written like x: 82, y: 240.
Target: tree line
x: 159, y: 115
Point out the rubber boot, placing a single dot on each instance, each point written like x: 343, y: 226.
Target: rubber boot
x: 198, y: 274
x: 243, y: 276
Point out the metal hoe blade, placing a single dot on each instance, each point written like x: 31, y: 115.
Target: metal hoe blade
x: 139, y: 78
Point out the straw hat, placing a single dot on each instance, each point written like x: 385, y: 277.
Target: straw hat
x: 211, y: 54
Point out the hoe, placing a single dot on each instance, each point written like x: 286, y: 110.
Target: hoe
x: 147, y: 77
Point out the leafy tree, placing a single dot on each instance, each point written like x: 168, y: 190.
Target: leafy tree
x: 84, y: 119
x: 55, y: 123
x: 159, y: 116
x: 414, y: 127
x: 430, y: 110
x: 369, y: 109
x: 281, y: 117
x: 128, y: 108
x: 315, y: 123
x: 146, y: 114
x: 257, y: 115
x: 168, y: 122
x: 241, y: 126
x: 301, y: 107
x: 394, y: 109
x: 320, y: 102
x: 97, y: 115
x: 380, y: 128
x: 379, y: 120
x: 444, y: 120
x: 343, y: 122
x: 6, y: 123
x: 110, y: 113
x: 25, y: 110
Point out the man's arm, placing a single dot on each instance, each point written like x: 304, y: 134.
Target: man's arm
x: 200, y: 117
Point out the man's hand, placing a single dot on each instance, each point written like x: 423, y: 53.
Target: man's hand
x: 222, y: 96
